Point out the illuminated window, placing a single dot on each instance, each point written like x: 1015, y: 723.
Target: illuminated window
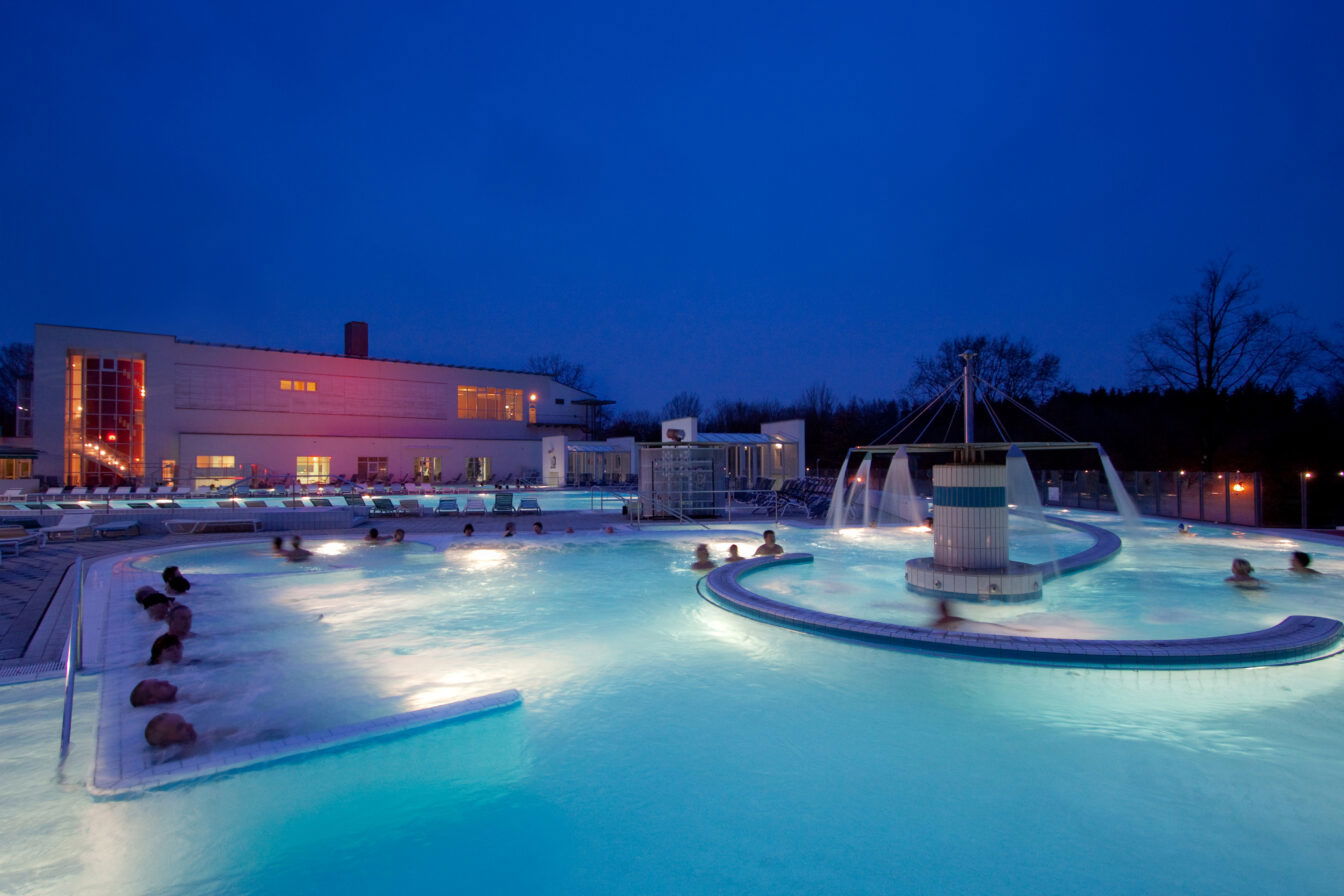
x: 479, y: 403
x: 313, y: 469
x: 215, y: 461
x: 298, y: 386
x: 104, y: 419
x: 286, y: 385
x: 312, y: 386
x: 16, y: 468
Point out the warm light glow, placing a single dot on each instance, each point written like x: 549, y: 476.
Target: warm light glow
x: 486, y: 558
x: 1307, y: 475
x: 332, y: 548
x: 532, y: 397
x: 1238, y: 487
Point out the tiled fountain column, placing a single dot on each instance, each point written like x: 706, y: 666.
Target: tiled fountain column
x: 970, y: 540
x: 970, y: 512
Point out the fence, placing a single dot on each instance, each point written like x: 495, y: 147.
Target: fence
x: 1233, y: 498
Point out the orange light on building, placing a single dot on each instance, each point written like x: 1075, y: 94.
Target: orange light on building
x: 1238, y: 487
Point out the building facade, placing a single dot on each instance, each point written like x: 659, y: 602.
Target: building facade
x: 112, y: 407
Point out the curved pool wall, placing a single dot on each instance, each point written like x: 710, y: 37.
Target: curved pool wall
x: 1295, y: 639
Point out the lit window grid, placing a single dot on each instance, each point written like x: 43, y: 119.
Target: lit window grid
x: 483, y: 403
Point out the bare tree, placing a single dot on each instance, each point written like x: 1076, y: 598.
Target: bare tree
x: 1218, y: 339
x: 566, y: 373
x: 16, y: 363
x: 818, y: 401
x: 1007, y: 365
x: 683, y: 404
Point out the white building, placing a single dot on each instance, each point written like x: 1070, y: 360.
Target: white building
x: 110, y: 407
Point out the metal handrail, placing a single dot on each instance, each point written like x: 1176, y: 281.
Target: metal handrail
x: 657, y: 505
x: 74, y: 656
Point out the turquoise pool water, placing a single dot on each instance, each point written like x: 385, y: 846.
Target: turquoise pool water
x: 666, y: 746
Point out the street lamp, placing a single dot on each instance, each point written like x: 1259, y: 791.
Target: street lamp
x: 1303, y: 478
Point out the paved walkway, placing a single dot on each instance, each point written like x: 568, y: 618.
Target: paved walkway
x: 30, y: 581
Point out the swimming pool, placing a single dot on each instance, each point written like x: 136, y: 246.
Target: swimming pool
x: 665, y: 746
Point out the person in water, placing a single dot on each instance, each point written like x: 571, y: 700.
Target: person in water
x: 702, y: 560
x: 1300, y: 563
x: 179, y: 621
x: 733, y: 555
x: 167, y: 729
x: 156, y: 604
x: 166, y: 649
x: 174, y: 581
x: 373, y: 536
x: 768, y: 547
x: 153, y: 690
x: 1241, y: 574
x: 297, y: 553
x: 508, y: 530
x: 1183, y: 529
x: 398, y: 536
x: 536, y: 528
x: 278, y: 546
x: 468, y: 530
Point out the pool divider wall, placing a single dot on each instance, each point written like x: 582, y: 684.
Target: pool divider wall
x: 1293, y: 639
x: 107, y: 783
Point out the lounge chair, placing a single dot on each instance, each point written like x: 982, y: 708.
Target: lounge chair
x: 15, y: 537
x: 475, y: 505
x: 53, y: 492
x: 385, y: 507
x: 321, y: 502
x: 13, y: 494
x: 504, y: 503
x: 528, y: 505
x: 78, y: 493
x: 257, y: 503
x: 72, y: 526
x: 102, y: 491
x: 446, y: 507
x: 122, y: 491
x: 411, y: 506
x: 182, y: 491
x: 117, y: 529
x: 139, y: 505
x: 355, y: 501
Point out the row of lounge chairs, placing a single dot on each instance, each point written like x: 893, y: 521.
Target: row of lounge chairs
x: 449, y: 506
x: 810, y: 496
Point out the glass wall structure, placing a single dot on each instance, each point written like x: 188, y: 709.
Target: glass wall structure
x: 104, y: 419
x: 313, y: 470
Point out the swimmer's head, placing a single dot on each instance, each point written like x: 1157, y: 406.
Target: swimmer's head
x: 168, y: 728
x: 153, y: 690
x: 166, y: 649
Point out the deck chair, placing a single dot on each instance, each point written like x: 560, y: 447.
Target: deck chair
x: 139, y: 505
x: 528, y: 505
x: 256, y: 503
x: 321, y: 502
x: 385, y: 507
x: 121, y: 491
x: 71, y: 526
x: 102, y: 491
x: 411, y: 506
x: 13, y: 494
x: 79, y: 492
x: 446, y: 507
x: 53, y: 491
x: 504, y: 503
x: 15, y: 537
x: 475, y: 505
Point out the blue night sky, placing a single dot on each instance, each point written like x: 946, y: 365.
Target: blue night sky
x: 734, y: 199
